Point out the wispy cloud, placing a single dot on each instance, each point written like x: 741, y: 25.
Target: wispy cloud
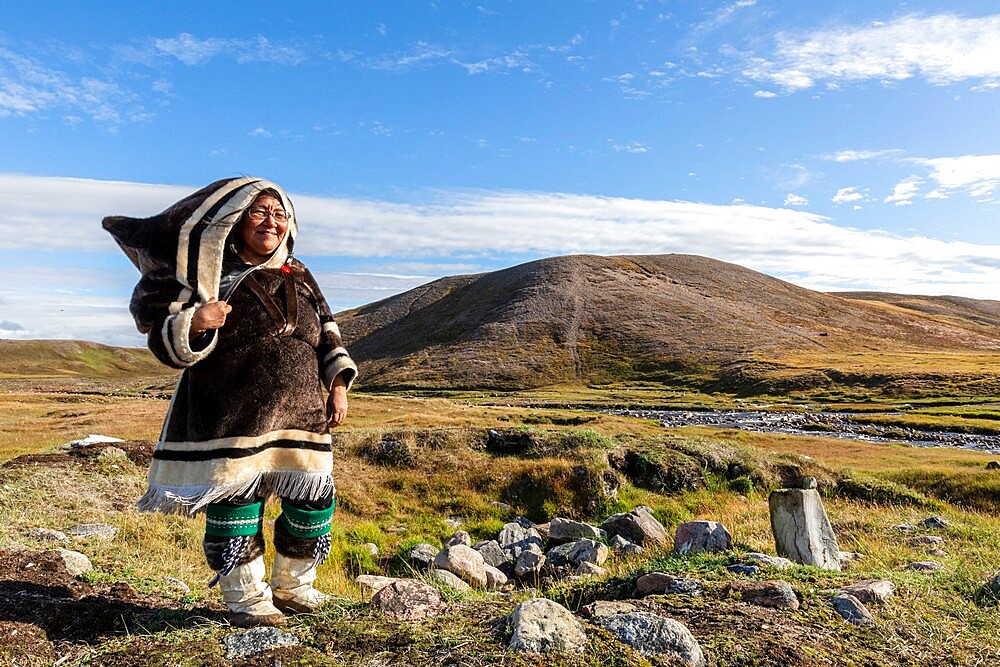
x: 979, y: 175
x: 191, y: 50
x: 630, y: 147
x: 904, y: 192
x: 943, y: 49
x: 27, y: 86
x: 795, y: 200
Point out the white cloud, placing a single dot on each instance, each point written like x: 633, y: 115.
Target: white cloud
x: 857, y: 156
x: 904, y: 192
x: 764, y: 94
x: 979, y: 175
x: 403, y: 244
x: 795, y: 200
x: 260, y: 132
x: 942, y: 49
x: 846, y: 195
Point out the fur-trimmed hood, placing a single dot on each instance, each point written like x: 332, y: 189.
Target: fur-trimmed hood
x: 180, y: 253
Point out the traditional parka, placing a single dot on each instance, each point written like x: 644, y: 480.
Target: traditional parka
x: 248, y: 415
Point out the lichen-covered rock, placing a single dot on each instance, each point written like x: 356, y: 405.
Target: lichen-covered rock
x: 449, y: 579
x: 515, y: 539
x: 654, y: 635
x: 543, y: 626
x: 422, y: 556
x: 495, y: 579
x: 920, y: 540
x: 925, y: 566
x: 658, y: 583
x: 48, y: 535
x: 101, y: 531
x: 529, y: 565
x: 256, y: 640
x: 371, y: 584
x: 492, y: 553
x: 458, y: 537
x: 802, y: 530
x: 588, y: 569
x: 694, y: 537
x: 408, y: 600
x: 765, y: 560
x: 601, y: 608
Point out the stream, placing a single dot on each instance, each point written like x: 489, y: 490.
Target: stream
x: 824, y: 424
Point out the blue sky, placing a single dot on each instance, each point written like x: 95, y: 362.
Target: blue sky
x: 840, y: 146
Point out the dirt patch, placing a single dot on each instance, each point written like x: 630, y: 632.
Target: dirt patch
x: 139, y: 452
x: 43, y: 609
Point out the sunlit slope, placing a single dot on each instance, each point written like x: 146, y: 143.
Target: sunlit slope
x: 677, y: 319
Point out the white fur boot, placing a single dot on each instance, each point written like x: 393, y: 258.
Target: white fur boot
x: 249, y: 597
x: 292, y: 580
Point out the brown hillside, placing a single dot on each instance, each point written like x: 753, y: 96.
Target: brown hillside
x: 670, y: 318
x: 73, y: 358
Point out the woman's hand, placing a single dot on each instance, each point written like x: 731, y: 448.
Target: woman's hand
x: 336, y: 405
x: 211, y: 315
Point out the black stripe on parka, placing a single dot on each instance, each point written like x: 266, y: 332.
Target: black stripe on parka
x: 238, y: 452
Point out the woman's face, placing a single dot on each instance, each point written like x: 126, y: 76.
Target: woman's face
x: 260, y: 231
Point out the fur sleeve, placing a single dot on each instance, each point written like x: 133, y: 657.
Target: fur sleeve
x: 333, y: 357
x: 164, y: 315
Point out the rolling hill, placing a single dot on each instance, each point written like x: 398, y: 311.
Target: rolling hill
x: 75, y: 359
x: 672, y: 319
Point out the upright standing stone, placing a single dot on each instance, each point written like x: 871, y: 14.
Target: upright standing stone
x: 802, y: 531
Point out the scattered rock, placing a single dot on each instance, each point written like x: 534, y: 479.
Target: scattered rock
x: 937, y: 553
x: 99, y: 530
x: 256, y: 640
x: 588, y: 569
x: 992, y: 586
x: 743, y: 569
x: 371, y: 548
x: 638, y: 526
x: 543, y: 626
x: 529, y: 565
x: 654, y: 635
x: 993, y: 465
x: 177, y: 585
x: 566, y: 530
x: 936, y: 522
x: 852, y: 609
x: 925, y: 566
x: 503, y: 507
x: 450, y: 580
x: 408, y: 600
x: 694, y: 537
x: 75, y: 562
x: 602, y: 608
x: 459, y: 537
x: 465, y: 562
x: 454, y: 522
x: 656, y: 583
x: 925, y: 539
x: 47, y: 535
x: 112, y: 453
x: 543, y: 530
x: 777, y: 594
x: 515, y: 539
x: 904, y: 527
x: 371, y: 584
x: 495, y: 579
x: 765, y: 560
x: 807, y: 483
x: 492, y: 553
x: 802, y: 530
x: 871, y: 591
x: 422, y: 556
x: 624, y: 546
x: 574, y: 553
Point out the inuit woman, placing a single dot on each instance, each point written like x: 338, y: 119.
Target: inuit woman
x: 265, y: 376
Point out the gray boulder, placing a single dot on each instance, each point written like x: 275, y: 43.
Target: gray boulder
x: 936, y: 522
x: 638, y: 526
x: 694, y: 537
x: 47, y: 535
x: 492, y: 553
x: 588, y: 569
x: 529, y: 565
x: 925, y: 566
x: 659, y: 583
x: 495, y: 579
x: 654, y: 635
x: 543, y: 626
x: 101, y: 531
x: 852, y: 609
x: 449, y: 579
x: 459, y: 537
x: 515, y: 539
x: 602, y: 608
x: 371, y: 583
x: 422, y: 556
x: 75, y: 562
x: 624, y: 546
x: 566, y: 530
x: 802, y: 530
x: 574, y: 553
x: 765, y: 560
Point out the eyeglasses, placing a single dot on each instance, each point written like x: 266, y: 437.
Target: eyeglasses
x: 260, y: 214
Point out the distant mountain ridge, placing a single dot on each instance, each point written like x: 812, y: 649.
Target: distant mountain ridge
x: 659, y: 318
x: 75, y: 359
